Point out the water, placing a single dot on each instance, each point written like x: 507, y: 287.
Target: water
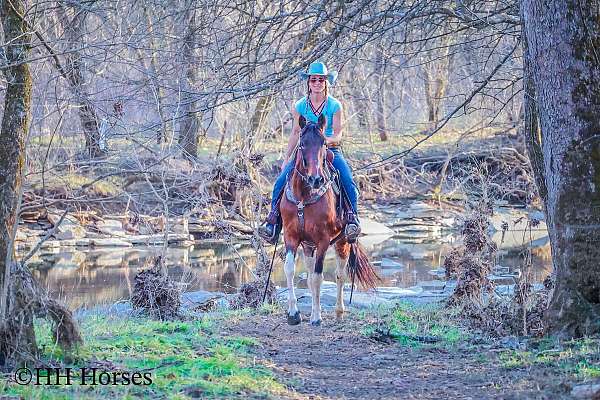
x: 90, y: 277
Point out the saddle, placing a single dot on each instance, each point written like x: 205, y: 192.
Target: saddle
x: 342, y: 206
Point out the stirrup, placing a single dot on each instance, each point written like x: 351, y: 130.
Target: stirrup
x: 352, y: 229
x: 269, y: 232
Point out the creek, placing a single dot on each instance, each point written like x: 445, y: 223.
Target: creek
x: 407, y: 246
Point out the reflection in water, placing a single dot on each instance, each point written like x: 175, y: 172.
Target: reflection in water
x: 105, y: 276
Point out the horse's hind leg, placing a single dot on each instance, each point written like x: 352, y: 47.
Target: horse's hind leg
x: 341, y: 258
x: 293, y: 315
x: 316, y: 279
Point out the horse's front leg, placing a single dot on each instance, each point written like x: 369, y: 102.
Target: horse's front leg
x: 293, y: 315
x: 316, y: 279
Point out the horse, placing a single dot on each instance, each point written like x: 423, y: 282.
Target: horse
x: 308, y: 212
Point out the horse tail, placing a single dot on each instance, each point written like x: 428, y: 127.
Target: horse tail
x: 360, y: 268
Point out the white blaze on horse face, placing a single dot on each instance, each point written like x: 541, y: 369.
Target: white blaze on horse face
x: 340, y: 277
x: 290, y: 267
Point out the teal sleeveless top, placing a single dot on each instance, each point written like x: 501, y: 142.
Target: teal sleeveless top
x: 332, y: 105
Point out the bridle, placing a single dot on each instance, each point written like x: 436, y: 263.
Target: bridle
x: 318, y: 192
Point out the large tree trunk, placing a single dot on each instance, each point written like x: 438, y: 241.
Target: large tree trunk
x: 15, y: 125
x: 562, y: 38
x: 531, y: 127
x: 189, y: 126
x: 74, y: 29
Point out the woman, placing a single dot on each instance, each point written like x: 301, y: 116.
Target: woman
x: 311, y: 106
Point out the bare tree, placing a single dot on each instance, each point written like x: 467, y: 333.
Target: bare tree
x: 20, y: 297
x: 189, y: 125
x: 74, y: 28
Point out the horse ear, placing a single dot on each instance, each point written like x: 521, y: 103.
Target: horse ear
x: 302, y: 122
x: 322, y: 121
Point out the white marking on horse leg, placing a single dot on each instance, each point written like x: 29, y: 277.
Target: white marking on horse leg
x: 309, y: 264
x: 315, y: 315
x: 290, y: 268
x: 340, y: 277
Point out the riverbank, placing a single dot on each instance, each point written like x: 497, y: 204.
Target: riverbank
x: 388, y: 352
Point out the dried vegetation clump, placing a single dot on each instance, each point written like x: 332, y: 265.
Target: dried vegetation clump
x: 155, y: 293
x: 518, y: 314
x: 521, y: 314
x: 250, y: 294
x: 471, y: 264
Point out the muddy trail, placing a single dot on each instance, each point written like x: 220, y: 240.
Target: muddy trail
x: 339, y: 361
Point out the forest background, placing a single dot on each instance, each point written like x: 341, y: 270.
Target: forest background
x: 182, y: 108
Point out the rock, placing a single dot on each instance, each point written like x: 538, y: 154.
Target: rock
x: 180, y: 225
x: 50, y: 244
x: 70, y: 232
x: 502, y: 279
x: 202, y: 253
x: 371, y: 227
x: 500, y: 270
x: 240, y: 226
x: 85, y: 242
x: 439, y: 273
x: 586, y: 391
x: 53, y: 218
x: 432, y: 285
x: 111, y: 227
x: 387, y: 263
x: 109, y: 243
x: 160, y: 238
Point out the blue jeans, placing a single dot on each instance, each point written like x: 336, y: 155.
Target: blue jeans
x: 339, y: 162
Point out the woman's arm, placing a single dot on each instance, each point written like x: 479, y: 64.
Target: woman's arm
x: 293, y: 140
x: 338, y: 122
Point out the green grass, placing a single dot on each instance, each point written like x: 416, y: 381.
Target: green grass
x: 407, y: 322
x: 579, y: 358
x: 185, y: 359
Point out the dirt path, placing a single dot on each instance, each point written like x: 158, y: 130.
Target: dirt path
x: 337, y: 361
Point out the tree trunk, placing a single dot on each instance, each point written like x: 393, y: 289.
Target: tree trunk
x: 190, y: 123
x: 562, y: 39
x: 165, y: 133
x: 15, y: 126
x: 74, y: 30
x: 531, y: 128
x: 380, y: 75
x: 263, y: 109
x: 435, y: 73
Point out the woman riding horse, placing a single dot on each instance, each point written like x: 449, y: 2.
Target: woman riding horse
x: 316, y: 103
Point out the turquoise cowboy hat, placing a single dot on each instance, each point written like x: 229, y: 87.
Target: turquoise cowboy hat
x: 318, y: 68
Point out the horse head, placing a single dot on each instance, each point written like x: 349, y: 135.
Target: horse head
x: 311, y: 152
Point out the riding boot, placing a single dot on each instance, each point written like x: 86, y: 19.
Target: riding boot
x: 271, y: 228
x: 352, y: 229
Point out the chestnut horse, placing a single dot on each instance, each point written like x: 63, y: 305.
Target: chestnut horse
x: 308, y: 210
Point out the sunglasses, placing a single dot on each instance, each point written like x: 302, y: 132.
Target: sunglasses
x: 317, y: 80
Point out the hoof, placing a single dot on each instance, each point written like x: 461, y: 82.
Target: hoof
x: 294, y: 319
x: 316, y: 323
